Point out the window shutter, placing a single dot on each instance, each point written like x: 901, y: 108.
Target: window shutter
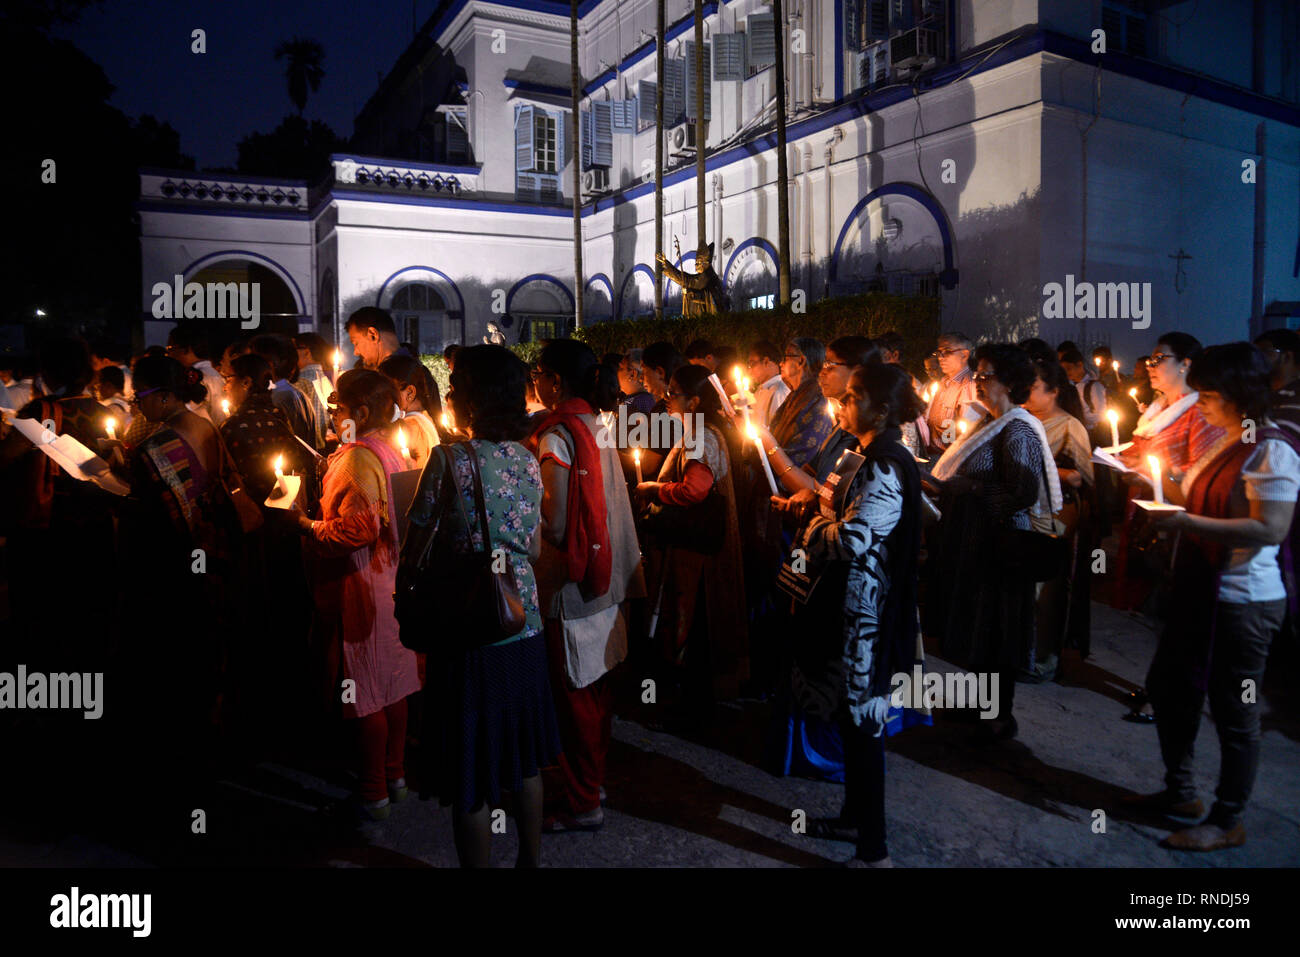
x: 603, y: 134
x: 457, y: 138
x: 852, y: 24
x: 1135, y: 35
x: 674, y: 91
x: 1112, y: 22
x: 561, y: 142
x: 526, y: 187
x: 548, y: 188
x: 762, y: 40
x: 585, y: 140
x: 623, y: 115
x: 875, y: 25
x: 729, y: 64
x: 690, y: 82
x: 645, y: 99
x: 524, y: 138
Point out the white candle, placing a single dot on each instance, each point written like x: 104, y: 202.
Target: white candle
x: 767, y: 466
x: 110, y: 425
x: 281, y: 488
x: 337, y: 360
x: 636, y: 459
x: 401, y: 441
x: 1114, y: 426
x: 1156, y: 485
x: 738, y: 376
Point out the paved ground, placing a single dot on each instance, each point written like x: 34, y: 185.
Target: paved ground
x: 706, y: 802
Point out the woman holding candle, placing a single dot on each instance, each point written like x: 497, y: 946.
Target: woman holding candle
x: 257, y: 432
x: 699, y: 598
x: 998, y: 477
x: 419, y: 402
x: 352, y: 550
x: 489, y: 719
x: 862, y: 549
x: 590, y: 563
x: 1064, y: 605
x: 1173, y: 430
x: 1240, y: 499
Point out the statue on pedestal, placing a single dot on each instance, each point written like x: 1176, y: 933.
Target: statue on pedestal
x: 702, y: 293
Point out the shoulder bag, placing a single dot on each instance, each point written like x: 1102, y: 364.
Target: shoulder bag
x: 449, y: 592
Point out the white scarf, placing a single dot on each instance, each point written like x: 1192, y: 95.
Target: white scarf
x: 1159, y: 416
x: 966, y: 445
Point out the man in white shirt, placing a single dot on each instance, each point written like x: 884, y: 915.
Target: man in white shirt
x: 188, y: 345
x: 770, y: 390
x: 313, y: 353
x: 956, y: 390
x: 1092, y: 392
x: 16, y: 381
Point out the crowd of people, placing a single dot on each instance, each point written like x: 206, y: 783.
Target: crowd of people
x: 791, y: 523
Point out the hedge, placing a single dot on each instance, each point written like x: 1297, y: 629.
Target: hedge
x: 915, y: 318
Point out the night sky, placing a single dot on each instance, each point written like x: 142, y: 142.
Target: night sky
x: 238, y: 87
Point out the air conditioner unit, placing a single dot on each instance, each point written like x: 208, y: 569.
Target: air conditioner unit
x: 873, y: 66
x: 681, y: 139
x: 595, y: 180
x: 915, y: 49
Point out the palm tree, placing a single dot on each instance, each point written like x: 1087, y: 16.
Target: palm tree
x: 575, y: 153
x: 782, y: 173
x: 304, y: 70
x: 700, y: 126
x: 659, y: 161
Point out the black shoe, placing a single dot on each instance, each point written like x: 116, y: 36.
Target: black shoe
x: 833, y: 829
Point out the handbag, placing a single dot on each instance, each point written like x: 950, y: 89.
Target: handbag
x: 230, y: 487
x: 451, y: 592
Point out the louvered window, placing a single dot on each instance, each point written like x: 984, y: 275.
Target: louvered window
x: 645, y: 99
x: 623, y: 116
x: 598, y: 136
x: 690, y: 82
x: 729, y: 62
x: 674, y: 91
x: 761, y: 33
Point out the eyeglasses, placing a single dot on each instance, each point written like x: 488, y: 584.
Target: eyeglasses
x: 1156, y: 358
x: 135, y: 398
x: 983, y: 376
x: 942, y: 353
x: 675, y: 395
x: 828, y: 363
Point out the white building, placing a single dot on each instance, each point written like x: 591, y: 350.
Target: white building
x: 978, y: 150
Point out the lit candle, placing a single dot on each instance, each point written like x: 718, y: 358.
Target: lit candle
x: 1156, y: 485
x: 225, y: 407
x: 1097, y: 360
x: 110, y: 425
x: 446, y: 422
x: 1133, y: 393
x: 338, y: 359
x: 1114, y: 426
x: 738, y: 375
x: 830, y: 408
x: 963, y: 426
x: 401, y: 441
x: 636, y: 459
x: 1115, y: 365
x: 767, y: 466
x: 281, y: 488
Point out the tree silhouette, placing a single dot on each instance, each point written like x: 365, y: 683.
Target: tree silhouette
x: 303, y: 70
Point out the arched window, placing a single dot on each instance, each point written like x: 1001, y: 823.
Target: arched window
x: 420, y: 314
x: 418, y: 297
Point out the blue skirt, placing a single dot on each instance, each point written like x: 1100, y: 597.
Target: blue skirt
x: 489, y: 722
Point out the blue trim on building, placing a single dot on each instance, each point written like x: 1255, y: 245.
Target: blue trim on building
x: 476, y: 205
x: 948, y: 278
x: 539, y: 277
x: 407, y: 164
x: 256, y: 257
x: 527, y: 86
x: 622, y: 289
x: 379, y: 297
x: 596, y: 84
x: 609, y: 286
x: 167, y: 206
x: 759, y: 241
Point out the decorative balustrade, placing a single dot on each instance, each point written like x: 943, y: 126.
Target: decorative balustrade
x: 223, y: 190
x: 405, y: 177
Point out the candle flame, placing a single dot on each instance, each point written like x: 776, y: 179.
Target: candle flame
x: 401, y: 438
x: 753, y: 433
x: 738, y: 374
x: 111, y: 425
x: 1133, y: 392
x: 279, y: 464
x: 1154, y: 462
x: 1112, y: 415
x: 1115, y: 365
x: 338, y: 358
x: 446, y: 421
x: 963, y: 426
x: 636, y: 456
x: 830, y: 408
x: 1097, y: 359
x: 225, y: 406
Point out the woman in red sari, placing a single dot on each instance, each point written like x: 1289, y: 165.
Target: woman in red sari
x: 1240, y: 502
x: 353, y: 551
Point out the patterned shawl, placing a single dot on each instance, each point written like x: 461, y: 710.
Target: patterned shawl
x: 801, y: 425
